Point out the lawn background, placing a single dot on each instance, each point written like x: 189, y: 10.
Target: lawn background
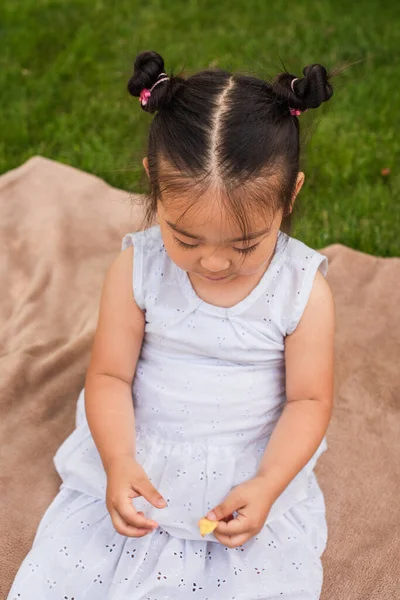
x: 64, y: 65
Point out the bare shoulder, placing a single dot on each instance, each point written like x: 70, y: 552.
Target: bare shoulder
x: 120, y: 326
x: 117, y: 293
x: 321, y: 284
x: 319, y: 311
x: 309, y: 350
x: 321, y: 292
x: 119, y: 275
x: 121, y: 266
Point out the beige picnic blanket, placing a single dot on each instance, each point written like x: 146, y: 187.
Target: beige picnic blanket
x: 60, y: 228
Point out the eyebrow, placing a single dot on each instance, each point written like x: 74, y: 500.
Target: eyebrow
x: 247, y: 238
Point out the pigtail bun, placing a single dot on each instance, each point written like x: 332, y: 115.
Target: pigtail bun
x: 306, y: 92
x: 148, y: 67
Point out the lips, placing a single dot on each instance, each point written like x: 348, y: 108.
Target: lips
x: 216, y: 278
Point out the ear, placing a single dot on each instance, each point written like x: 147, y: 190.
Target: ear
x: 146, y: 165
x: 299, y: 185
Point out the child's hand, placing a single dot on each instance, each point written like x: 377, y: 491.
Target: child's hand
x: 127, y: 480
x: 250, y: 501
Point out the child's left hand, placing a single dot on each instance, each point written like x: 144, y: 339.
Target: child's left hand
x: 250, y: 500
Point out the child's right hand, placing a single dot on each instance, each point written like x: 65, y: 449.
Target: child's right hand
x: 127, y: 480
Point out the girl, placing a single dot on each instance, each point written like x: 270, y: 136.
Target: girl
x: 219, y: 326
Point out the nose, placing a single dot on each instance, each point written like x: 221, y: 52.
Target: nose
x: 215, y: 263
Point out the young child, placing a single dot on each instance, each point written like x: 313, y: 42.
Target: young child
x: 210, y: 384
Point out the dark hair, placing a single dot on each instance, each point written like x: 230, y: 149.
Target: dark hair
x: 232, y: 130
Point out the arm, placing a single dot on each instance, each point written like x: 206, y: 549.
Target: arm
x: 309, y: 357
x: 109, y: 403
x: 309, y: 354
x: 115, y: 351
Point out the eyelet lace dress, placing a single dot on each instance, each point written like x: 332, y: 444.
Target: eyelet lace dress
x: 208, y: 391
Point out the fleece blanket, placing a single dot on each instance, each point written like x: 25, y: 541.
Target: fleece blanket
x: 60, y: 229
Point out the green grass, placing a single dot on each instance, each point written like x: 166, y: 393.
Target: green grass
x: 64, y: 65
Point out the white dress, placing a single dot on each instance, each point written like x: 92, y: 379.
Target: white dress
x: 208, y: 391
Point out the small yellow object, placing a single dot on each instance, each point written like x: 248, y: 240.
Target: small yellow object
x: 206, y: 526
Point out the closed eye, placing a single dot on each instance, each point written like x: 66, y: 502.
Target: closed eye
x: 245, y: 251
x: 183, y: 244
x: 248, y: 250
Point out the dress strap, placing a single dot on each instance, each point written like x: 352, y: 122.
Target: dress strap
x: 311, y: 263
x: 137, y: 240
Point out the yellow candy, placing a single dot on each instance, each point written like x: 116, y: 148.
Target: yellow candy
x: 206, y: 526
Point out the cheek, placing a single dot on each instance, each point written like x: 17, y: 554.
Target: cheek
x: 251, y: 265
x: 257, y: 260
x: 181, y: 257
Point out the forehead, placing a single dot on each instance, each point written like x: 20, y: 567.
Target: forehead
x: 213, y: 217
x: 204, y: 203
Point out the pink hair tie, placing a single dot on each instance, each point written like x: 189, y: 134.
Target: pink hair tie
x: 145, y: 93
x: 295, y: 112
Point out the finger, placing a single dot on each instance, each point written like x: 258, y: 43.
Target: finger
x: 128, y: 513
x: 232, y: 503
x: 148, y: 491
x: 237, y: 526
x: 229, y: 518
x: 234, y: 541
x: 125, y: 529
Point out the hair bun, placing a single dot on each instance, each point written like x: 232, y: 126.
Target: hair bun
x: 305, y: 92
x: 147, y: 69
x: 313, y: 89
